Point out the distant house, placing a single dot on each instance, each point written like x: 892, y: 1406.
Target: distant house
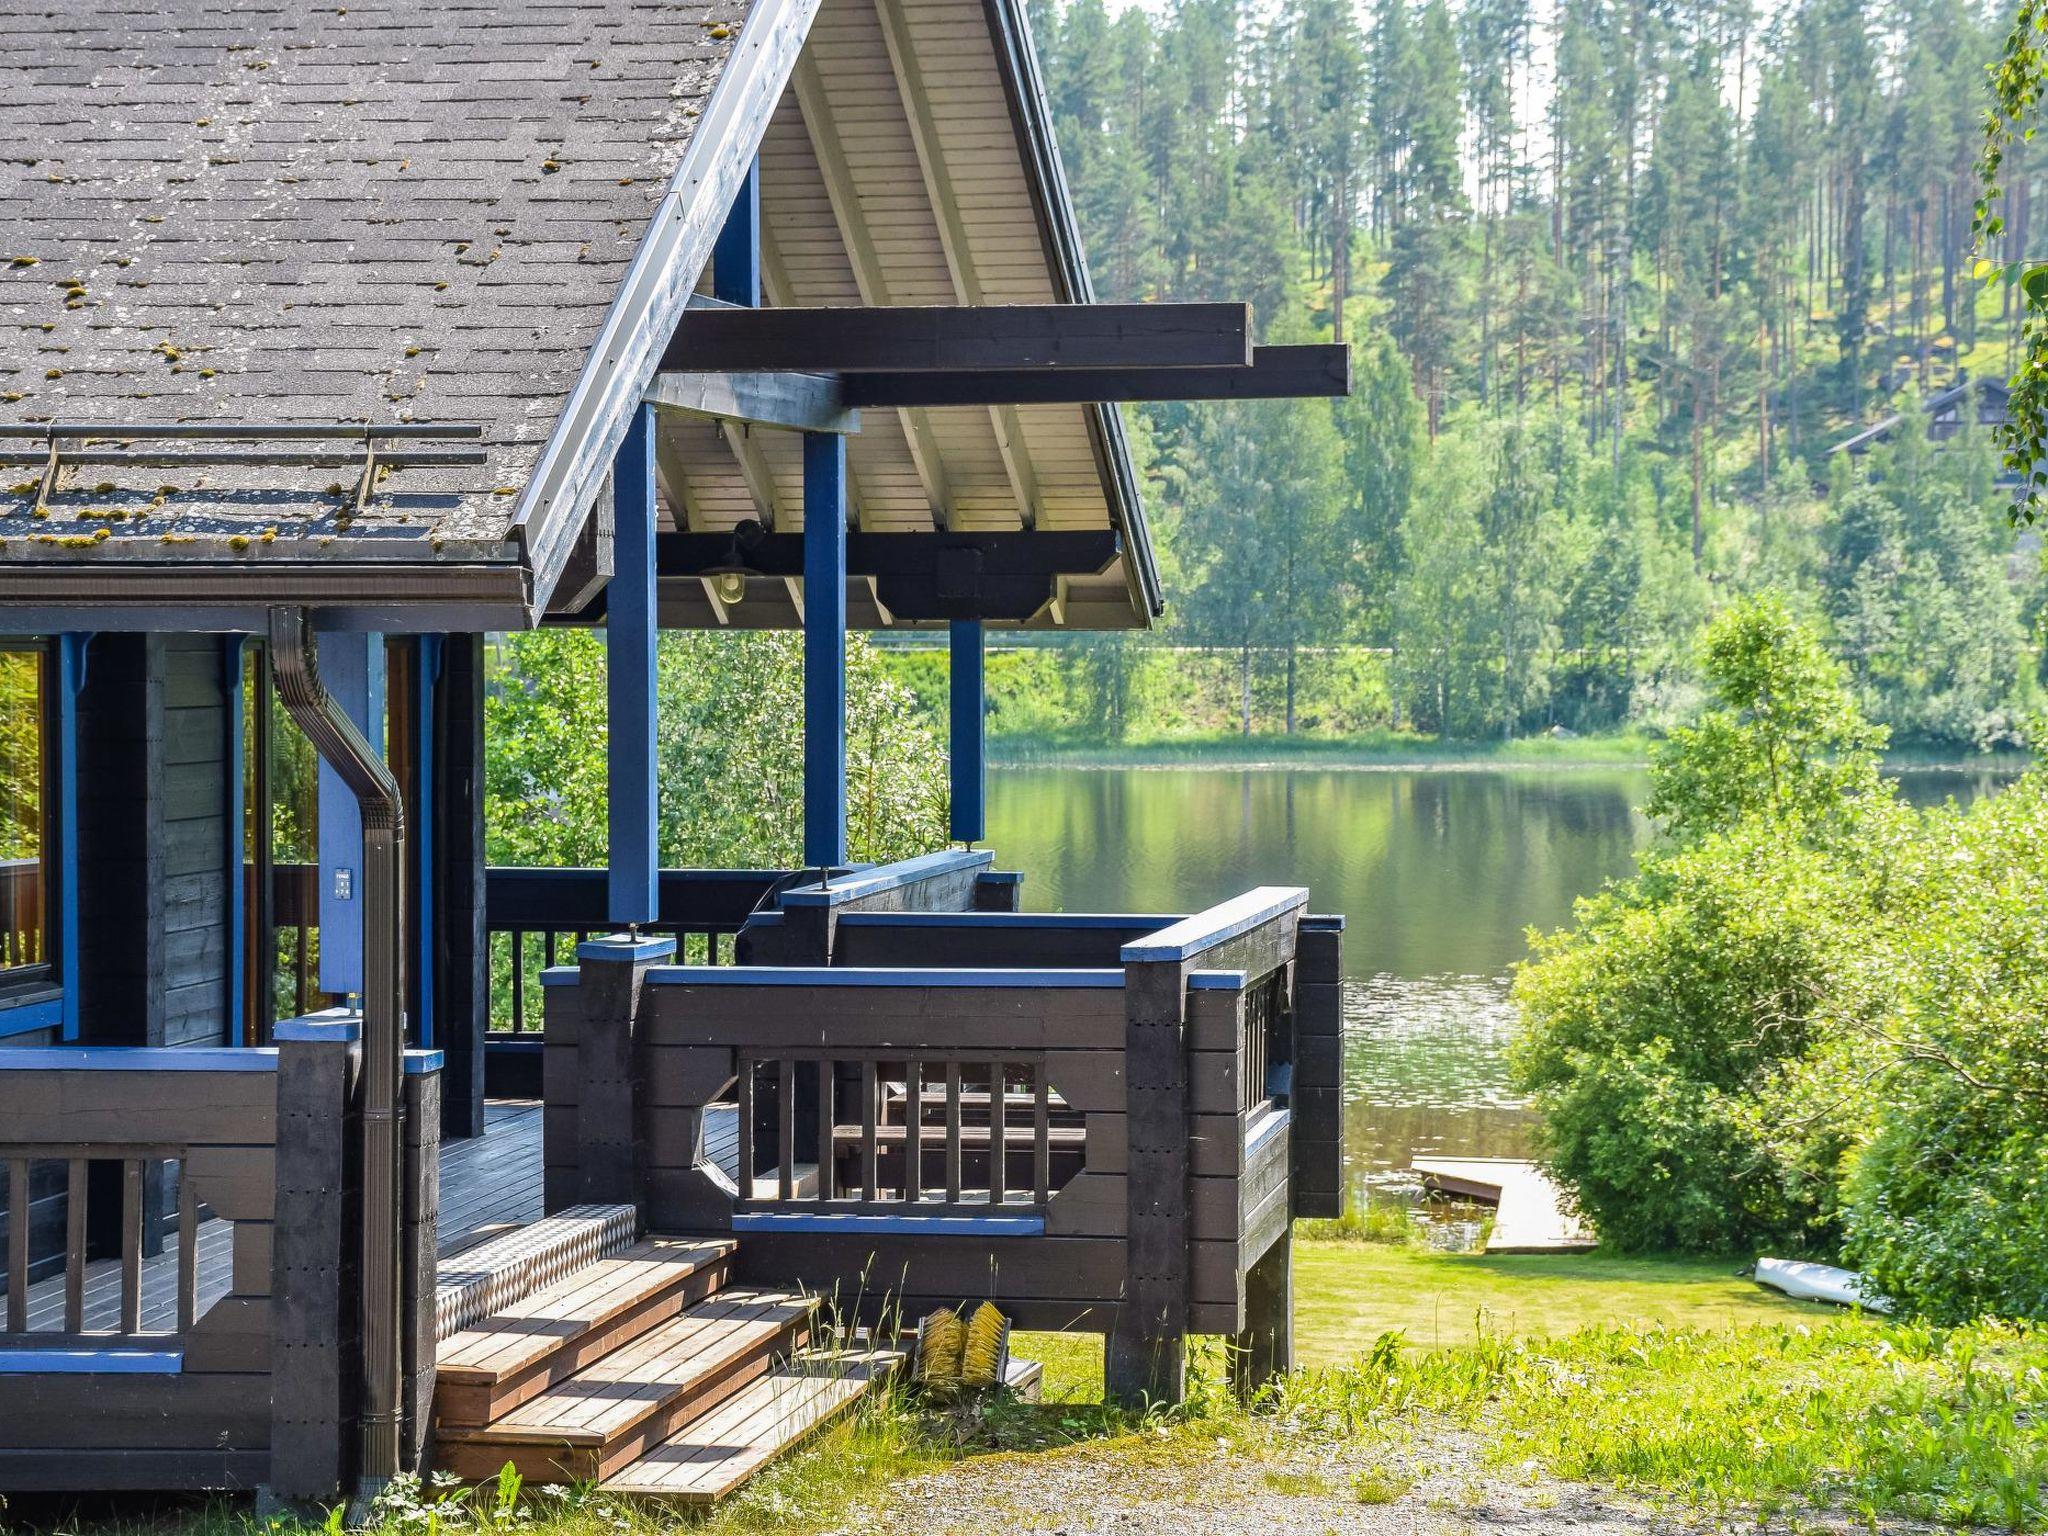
x: 1947, y: 411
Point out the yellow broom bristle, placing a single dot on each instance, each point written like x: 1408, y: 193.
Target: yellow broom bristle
x: 982, y: 1356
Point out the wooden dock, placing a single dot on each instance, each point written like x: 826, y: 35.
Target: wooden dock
x: 1533, y: 1214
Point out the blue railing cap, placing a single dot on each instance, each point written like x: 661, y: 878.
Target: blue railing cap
x: 138, y: 1058
x: 627, y: 946
x: 330, y: 1026
x: 1217, y: 981
x: 1191, y: 935
x: 418, y: 1063
x: 888, y: 877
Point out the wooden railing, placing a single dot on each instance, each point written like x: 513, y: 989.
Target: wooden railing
x: 21, y: 913
x: 537, y: 917
x: 141, y: 1169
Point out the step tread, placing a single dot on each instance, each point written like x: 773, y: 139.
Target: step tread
x: 711, y: 1456
x: 610, y: 1396
x: 516, y: 1337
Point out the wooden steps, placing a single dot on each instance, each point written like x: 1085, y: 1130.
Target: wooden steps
x: 488, y: 1276
x: 618, y: 1407
x: 644, y: 1369
x: 709, y: 1458
x: 491, y: 1367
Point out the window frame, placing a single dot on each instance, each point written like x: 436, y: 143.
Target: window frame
x: 22, y: 985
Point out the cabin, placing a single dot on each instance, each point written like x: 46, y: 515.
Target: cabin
x: 340, y: 339
x: 1976, y: 407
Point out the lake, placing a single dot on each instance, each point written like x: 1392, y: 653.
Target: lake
x: 1440, y: 871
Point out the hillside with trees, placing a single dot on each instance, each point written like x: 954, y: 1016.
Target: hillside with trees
x: 1617, y: 277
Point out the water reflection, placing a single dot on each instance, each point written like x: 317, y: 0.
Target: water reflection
x: 1440, y: 872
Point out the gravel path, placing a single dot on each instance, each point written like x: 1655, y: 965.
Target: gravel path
x: 1426, y: 1488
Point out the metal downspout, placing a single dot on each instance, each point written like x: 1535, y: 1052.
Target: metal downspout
x: 342, y: 746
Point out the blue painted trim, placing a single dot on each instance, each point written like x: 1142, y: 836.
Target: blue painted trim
x: 1272, y: 1124
x: 824, y: 1223
x: 626, y: 947
x: 232, y: 647
x: 736, y: 258
x: 633, y: 812
x: 71, y: 663
x: 887, y: 877
x: 1143, y: 922
x: 91, y: 1362
x: 338, y: 1026
x: 352, y: 668
x: 526, y: 1045
x: 1217, y: 981
x: 41, y: 1013
x: 138, y: 1058
x: 419, y: 1063
x: 559, y: 976
x: 824, y: 650
x: 1326, y: 921
x: 1003, y: 877
x: 969, y: 764
x: 420, y: 826
x: 1191, y: 935
x: 934, y: 979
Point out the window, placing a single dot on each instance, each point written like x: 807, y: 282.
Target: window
x: 25, y: 782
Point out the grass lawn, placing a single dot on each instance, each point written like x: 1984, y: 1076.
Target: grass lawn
x: 1346, y: 1294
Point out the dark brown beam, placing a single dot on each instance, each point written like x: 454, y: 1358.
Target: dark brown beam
x: 961, y: 338
x: 1276, y: 373
x: 958, y: 560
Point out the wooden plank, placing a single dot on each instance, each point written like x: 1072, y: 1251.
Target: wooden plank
x: 1146, y: 1359
x: 1313, y: 371
x: 964, y: 337
x: 74, y: 1244
x: 132, y: 1469
x: 135, y: 1412
x: 131, y: 1246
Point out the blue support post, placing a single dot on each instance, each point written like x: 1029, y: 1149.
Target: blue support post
x: 824, y: 650
x: 633, y: 815
x: 71, y: 657
x: 232, y: 649
x: 736, y: 258
x: 352, y: 668
x: 970, y: 757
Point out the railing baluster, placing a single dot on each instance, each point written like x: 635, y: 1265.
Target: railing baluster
x: 998, y: 1136
x: 518, y: 981
x: 828, y: 1149
x: 953, y: 1132
x: 1041, y: 1135
x: 17, y: 1245
x: 746, y: 1103
x: 913, y: 1131
x: 786, y: 1128
x: 77, y: 1171
x: 188, y: 1251
x: 869, y: 1091
x: 547, y: 950
x: 131, y: 1245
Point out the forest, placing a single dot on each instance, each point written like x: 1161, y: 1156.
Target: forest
x: 1618, y: 278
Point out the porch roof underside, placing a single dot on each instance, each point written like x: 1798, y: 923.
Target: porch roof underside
x: 897, y: 170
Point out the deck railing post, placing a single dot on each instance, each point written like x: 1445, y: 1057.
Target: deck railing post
x: 610, y: 1151
x: 419, y: 1247
x: 1146, y: 1362
x: 1317, y: 1134
x: 1265, y: 1347
x: 316, y: 1361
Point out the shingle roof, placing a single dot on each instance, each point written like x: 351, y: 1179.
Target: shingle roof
x: 393, y: 211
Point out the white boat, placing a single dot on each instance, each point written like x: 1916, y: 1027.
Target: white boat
x: 1820, y: 1282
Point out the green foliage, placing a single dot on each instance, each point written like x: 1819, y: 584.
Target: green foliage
x: 730, y: 744
x: 1815, y: 1017
x: 1784, y: 741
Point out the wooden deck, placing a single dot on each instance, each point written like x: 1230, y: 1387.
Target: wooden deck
x: 487, y: 1183
x: 1532, y: 1214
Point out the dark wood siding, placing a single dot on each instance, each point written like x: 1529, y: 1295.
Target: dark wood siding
x: 195, y: 842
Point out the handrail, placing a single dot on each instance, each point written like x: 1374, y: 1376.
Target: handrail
x: 1189, y: 937
x: 884, y: 878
